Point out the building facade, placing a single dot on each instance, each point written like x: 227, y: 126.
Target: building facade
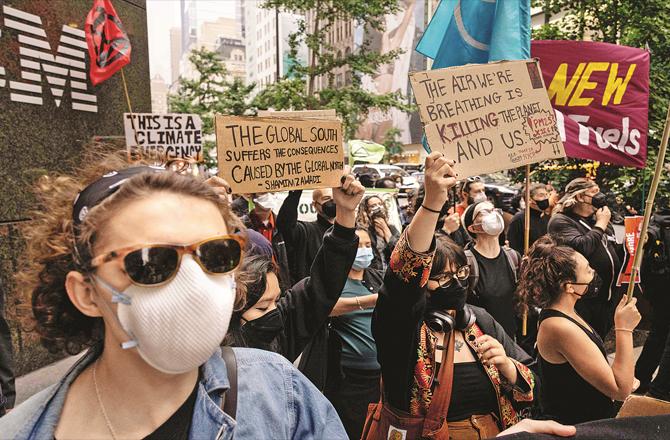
x: 266, y: 35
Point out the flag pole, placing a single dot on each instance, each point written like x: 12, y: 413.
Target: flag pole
x: 649, y: 206
x: 130, y: 110
x: 526, y: 242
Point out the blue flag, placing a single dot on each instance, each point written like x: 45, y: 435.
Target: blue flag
x: 476, y: 31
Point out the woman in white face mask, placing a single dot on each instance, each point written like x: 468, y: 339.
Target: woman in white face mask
x: 138, y: 264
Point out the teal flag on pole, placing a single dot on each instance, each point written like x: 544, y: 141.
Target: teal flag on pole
x: 477, y: 31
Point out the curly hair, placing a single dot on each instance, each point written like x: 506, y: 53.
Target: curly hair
x: 51, y: 247
x: 362, y: 217
x: 544, y: 271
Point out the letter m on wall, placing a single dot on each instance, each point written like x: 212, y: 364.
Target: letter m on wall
x: 38, y: 60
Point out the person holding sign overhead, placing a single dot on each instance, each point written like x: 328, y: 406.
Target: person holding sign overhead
x: 285, y: 321
x: 449, y: 370
x: 303, y: 239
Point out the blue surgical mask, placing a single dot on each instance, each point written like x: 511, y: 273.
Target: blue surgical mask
x: 363, y: 258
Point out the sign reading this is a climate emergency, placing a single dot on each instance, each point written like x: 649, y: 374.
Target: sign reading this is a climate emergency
x: 276, y: 154
x: 488, y: 117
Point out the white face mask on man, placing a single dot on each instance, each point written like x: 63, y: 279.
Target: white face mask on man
x: 492, y: 223
x: 177, y: 326
x: 267, y: 201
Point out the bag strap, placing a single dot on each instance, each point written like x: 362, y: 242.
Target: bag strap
x: 439, y: 405
x: 513, y: 260
x: 473, y: 278
x: 229, y: 398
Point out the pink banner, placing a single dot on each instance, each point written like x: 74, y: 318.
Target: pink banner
x: 600, y: 92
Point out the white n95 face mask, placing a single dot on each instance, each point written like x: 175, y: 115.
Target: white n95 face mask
x: 177, y: 326
x: 493, y: 224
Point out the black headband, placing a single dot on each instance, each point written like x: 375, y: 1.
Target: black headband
x: 104, y: 187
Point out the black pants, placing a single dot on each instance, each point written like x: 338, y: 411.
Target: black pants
x: 656, y: 351
x: 357, y: 390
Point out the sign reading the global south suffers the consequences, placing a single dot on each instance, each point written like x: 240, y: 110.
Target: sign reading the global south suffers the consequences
x: 488, y: 117
x: 276, y: 154
x: 168, y: 136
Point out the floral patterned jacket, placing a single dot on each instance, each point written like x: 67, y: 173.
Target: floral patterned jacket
x: 406, y: 348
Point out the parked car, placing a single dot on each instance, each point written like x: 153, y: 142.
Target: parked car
x: 411, y: 168
x: 501, y: 190
x: 384, y: 170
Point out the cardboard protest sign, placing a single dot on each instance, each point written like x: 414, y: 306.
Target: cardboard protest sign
x: 328, y: 114
x: 488, y: 117
x: 633, y: 225
x: 169, y: 136
x: 600, y: 92
x: 276, y: 154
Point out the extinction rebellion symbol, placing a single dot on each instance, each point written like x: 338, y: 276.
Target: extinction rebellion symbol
x: 108, y: 43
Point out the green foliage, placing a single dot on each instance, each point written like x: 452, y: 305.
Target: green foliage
x: 352, y: 103
x: 210, y: 93
x: 643, y: 24
x: 393, y: 146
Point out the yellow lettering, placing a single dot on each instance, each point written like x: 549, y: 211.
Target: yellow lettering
x: 616, y: 85
x: 585, y: 84
x: 558, y: 87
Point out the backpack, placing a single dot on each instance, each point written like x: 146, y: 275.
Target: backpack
x: 656, y: 257
x: 513, y: 259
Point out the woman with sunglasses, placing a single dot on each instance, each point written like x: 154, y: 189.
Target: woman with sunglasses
x: 138, y: 265
x: 448, y: 369
x: 578, y: 384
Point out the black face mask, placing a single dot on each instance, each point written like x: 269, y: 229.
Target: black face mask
x: 329, y: 209
x: 599, y: 200
x: 451, y: 297
x: 592, y: 289
x: 265, y: 329
x: 542, y: 204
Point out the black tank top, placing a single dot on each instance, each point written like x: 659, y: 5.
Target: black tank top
x: 565, y: 396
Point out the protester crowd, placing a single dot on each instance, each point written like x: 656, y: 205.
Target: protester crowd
x: 342, y: 327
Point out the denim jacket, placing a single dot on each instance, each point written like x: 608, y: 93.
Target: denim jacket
x: 274, y: 401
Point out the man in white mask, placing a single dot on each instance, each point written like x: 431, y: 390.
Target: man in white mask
x: 493, y: 269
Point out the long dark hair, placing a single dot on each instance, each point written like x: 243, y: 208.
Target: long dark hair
x: 546, y: 268
x: 254, y: 275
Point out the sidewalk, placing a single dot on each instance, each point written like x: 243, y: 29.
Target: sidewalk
x: 36, y: 381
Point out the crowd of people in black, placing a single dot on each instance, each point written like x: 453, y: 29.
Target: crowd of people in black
x: 342, y: 327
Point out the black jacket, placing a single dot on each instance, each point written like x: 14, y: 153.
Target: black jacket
x: 321, y: 360
x: 305, y: 307
x: 303, y: 239
x: 516, y: 230
x: 396, y: 325
x: 598, y: 246
x: 381, y: 259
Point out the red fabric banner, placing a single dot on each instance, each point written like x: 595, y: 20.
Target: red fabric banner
x: 108, y: 43
x: 633, y: 226
x: 600, y: 93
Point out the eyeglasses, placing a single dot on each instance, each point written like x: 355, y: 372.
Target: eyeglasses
x: 474, y: 179
x: 446, y: 278
x: 151, y: 265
